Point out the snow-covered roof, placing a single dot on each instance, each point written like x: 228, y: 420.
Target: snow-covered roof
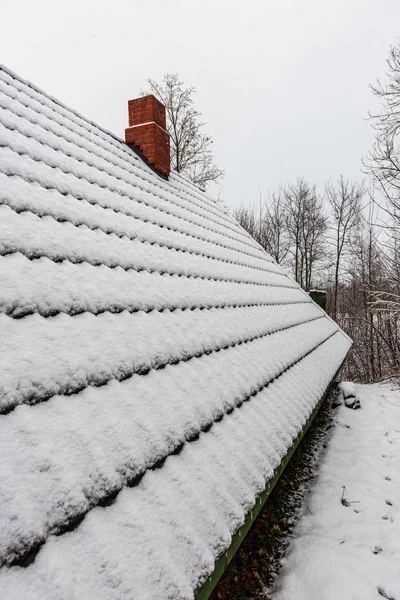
x: 156, y: 365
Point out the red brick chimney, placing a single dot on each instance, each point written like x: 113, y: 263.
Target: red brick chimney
x: 147, y: 131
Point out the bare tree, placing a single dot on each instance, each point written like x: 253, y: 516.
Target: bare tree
x: 364, y: 311
x: 247, y: 217
x: 276, y: 236
x: 306, y: 225
x: 383, y: 161
x: 191, y: 151
x: 381, y: 290
x: 387, y: 299
x: 267, y: 224
x: 344, y: 198
x: 290, y: 224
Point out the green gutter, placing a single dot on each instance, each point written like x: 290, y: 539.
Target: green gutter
x: 222, y: 563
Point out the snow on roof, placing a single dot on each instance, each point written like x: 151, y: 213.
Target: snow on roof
x: 156, y: 365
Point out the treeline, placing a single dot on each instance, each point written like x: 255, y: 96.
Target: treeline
x: 345, y: 239
x: 334, y: 240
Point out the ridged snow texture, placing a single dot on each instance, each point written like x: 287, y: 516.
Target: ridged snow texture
x: 156, y: 365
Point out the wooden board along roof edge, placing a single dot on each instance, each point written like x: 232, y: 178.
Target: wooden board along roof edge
x: 223, y: 562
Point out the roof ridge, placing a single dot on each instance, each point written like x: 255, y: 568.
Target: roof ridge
x: 32, y: 400
x: 115, y: 310
x: 179, y: 248
x: 34, y: 255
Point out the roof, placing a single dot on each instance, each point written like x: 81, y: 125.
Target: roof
x: 156, y: 365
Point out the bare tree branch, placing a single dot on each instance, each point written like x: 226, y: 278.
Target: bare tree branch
x: 191, y: 151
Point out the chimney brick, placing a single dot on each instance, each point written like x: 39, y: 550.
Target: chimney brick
x: 147, y: 131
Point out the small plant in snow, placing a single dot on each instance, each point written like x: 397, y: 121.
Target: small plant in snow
x: 344, y: 500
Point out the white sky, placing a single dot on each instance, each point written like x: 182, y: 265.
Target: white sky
x: 282, y: 85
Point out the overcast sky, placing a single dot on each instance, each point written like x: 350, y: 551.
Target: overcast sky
x: 282, y: 85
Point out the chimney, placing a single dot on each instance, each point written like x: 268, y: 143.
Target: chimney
x: 147, y: 131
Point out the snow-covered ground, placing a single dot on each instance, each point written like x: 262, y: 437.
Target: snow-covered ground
x: 347, y: 543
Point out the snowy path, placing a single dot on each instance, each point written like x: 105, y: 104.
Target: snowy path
x: 352, y: 552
